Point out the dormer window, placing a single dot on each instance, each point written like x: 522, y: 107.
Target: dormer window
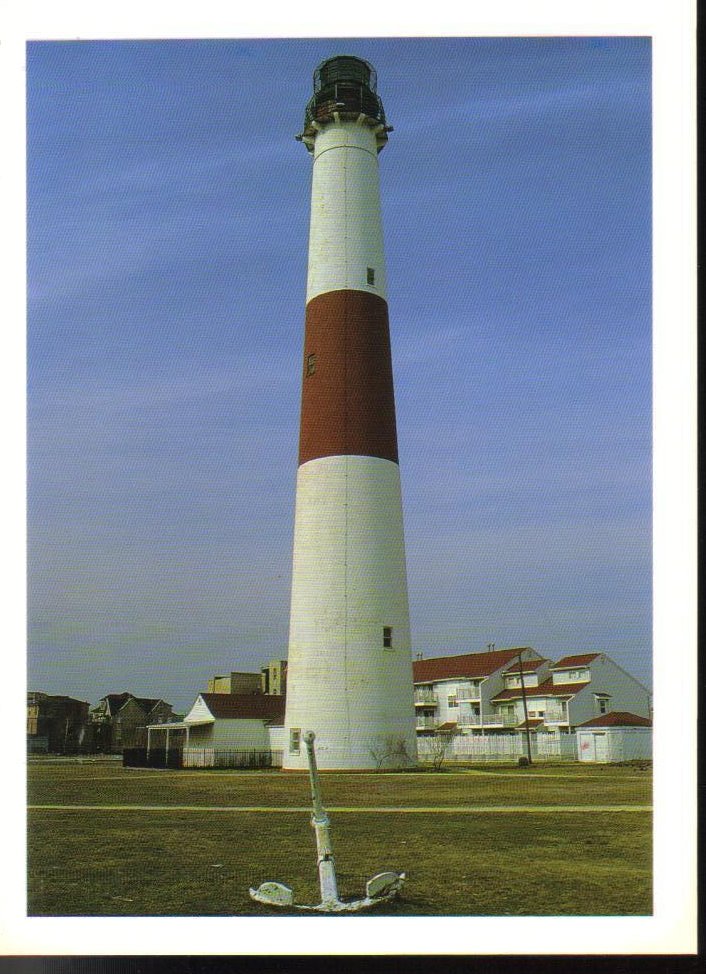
x: 572, y: 676
x: 602, y: 703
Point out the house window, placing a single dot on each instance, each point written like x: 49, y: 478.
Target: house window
x: 387, y: 637
x: 453, y: 700
x: 371, y: 275
x: 602, y: 704
x: 295, y: 739
x: 310, y: 364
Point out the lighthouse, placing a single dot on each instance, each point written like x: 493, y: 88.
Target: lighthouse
x: 349, y: 677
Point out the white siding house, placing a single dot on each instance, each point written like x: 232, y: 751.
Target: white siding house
x: 481, y: 695
x: 575, y: 690
x: 609, y: 687
x: 456, y: 692
x: 220, y: 723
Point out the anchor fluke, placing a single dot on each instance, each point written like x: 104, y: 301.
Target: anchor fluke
x: 273, y: 894
x: 384, y: 885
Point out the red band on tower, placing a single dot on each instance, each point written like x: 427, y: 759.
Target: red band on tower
x: 348, y: 403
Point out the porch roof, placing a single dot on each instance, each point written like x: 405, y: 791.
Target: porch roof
x: 547, y: 689
x: 176, y: 725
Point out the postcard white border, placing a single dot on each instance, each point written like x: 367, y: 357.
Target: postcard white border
x: 672, y: 929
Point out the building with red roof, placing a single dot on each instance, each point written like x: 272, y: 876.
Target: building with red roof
x: 503, y: 691
x: 577, y: 688
x: 457, y: 691
x: 220, y: 726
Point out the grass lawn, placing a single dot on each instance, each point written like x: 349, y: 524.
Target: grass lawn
x: 180, y: 858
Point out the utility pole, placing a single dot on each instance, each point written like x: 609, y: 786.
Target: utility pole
x: 524, y: 706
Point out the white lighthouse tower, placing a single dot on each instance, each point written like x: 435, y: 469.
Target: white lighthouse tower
x: 349, y: 677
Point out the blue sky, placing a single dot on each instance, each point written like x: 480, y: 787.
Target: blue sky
x: 168, y: 221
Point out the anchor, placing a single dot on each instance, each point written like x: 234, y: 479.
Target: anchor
x: 381, y: 888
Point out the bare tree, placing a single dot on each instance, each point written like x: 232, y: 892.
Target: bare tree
x: 440, y: 743
x: 391, y: 751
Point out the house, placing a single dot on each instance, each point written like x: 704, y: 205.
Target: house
x: 119, y: 719
x: 455, y: 693
x: 485, y: 693
x: 220, y: 724
x: 566, y: 694
x: 56, y: 723
x: 615, y: 736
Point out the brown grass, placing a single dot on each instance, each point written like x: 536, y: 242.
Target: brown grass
x: 201, y: 863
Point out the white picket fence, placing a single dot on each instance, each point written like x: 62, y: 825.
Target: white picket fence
x: 213, y: 757
x: 466, y: 748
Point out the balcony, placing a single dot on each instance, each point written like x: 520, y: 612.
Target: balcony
x: 425, y: 698
x: 488, y: 720
x: 426, y: 723
x: 557, y: 717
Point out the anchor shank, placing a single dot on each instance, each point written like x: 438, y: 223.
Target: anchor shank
x: 320, y: 823
x: 319, y: 813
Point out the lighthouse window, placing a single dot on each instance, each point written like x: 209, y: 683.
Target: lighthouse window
x: 371, y: 275
x: 310, y: 364
x: 387, y: 637
x: 295, y: 737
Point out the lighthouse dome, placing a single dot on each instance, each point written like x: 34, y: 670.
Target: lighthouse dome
x: 345, y: 68
x: 345, y: 87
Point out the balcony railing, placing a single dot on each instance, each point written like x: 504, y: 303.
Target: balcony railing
x: 425, y: 698
x: 427, y: 722
x: 488, y: 720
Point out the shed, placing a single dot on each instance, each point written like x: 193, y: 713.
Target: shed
x: 616, y: 736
